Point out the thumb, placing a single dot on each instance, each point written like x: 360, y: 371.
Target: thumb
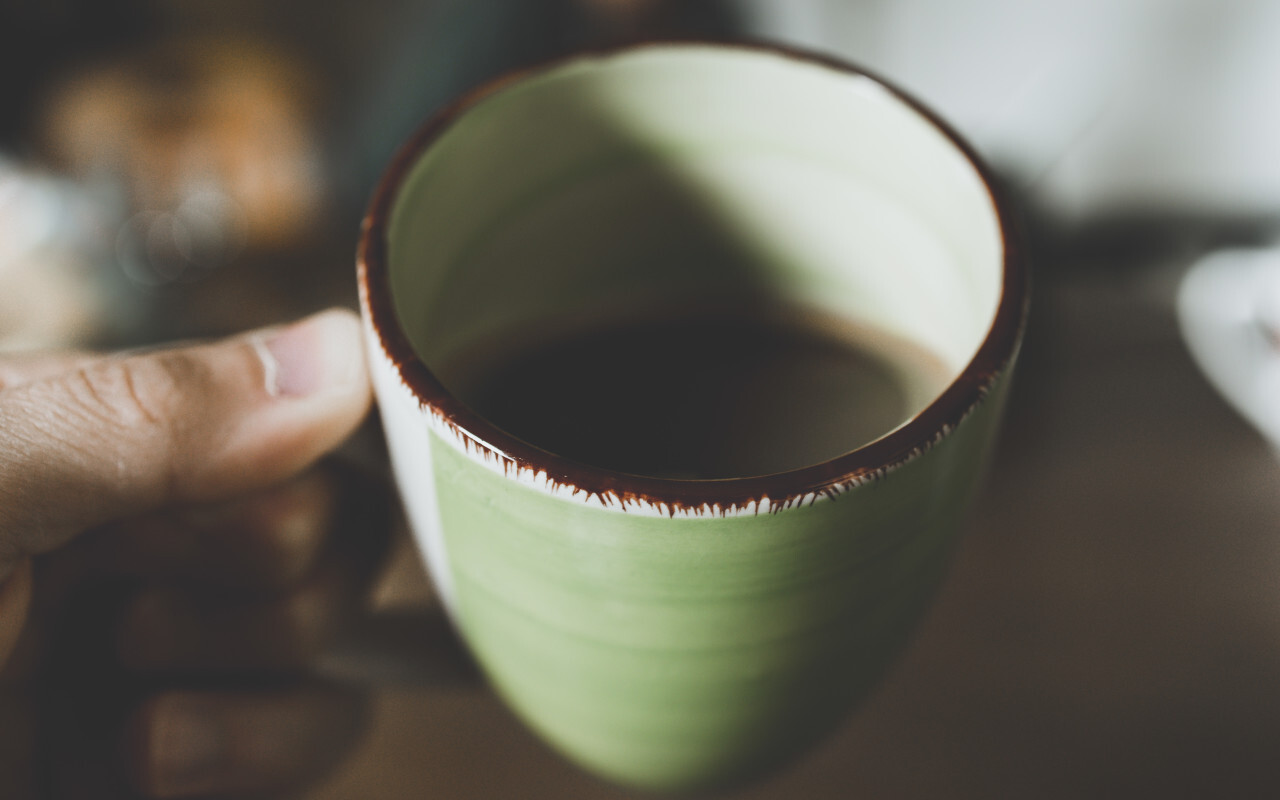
x: 123, y: 435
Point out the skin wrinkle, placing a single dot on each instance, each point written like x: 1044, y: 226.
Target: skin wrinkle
x: 189, y: 412
x: 19, y: 369
x: 106, y: 393
x: 90, y: 415
x: 159, y: 405
x: 184, y: 434
x: 137, y: 398
x: 123, y: 434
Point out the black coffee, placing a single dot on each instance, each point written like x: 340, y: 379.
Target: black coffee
x: 703, y: 395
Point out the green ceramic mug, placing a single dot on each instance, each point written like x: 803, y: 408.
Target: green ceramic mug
x: 685, y: 634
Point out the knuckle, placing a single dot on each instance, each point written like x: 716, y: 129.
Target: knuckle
x: 302, y: 624
x: 131, y: 392
x: 136, y: 403
x: 289, y: 527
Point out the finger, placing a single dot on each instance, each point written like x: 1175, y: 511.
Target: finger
x: 169, y: 630
x: 176, y: 629
x: 186, y: 743
x: 16, y: 370
x: 123, y: 436
x: 236, y: 552
x: 265, y: 541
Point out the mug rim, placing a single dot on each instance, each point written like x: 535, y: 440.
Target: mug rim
x: 619, y: 489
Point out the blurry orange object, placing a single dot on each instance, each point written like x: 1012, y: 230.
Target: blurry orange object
x: 222, y: 124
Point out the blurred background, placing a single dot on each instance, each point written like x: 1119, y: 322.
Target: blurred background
x: 187, y: 168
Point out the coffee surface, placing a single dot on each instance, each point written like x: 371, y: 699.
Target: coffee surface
x: 702, y: 396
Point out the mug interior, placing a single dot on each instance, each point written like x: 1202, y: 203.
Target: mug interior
x: 686, y: 175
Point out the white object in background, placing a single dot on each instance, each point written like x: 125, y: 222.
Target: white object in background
x: 1229, y: 311
x: 51, y: 233
x: 1099, y: 106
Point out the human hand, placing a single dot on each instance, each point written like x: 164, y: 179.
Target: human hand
x: 178, y: 555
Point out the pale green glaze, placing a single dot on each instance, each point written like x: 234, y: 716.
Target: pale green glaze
x: 685, y: 652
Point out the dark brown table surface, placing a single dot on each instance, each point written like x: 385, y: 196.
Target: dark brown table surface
x: 1111, y: 626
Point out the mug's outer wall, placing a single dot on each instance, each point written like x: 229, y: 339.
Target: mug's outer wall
x: 680, y: 652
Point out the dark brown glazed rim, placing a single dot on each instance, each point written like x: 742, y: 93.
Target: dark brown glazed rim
x: 781, y: 490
